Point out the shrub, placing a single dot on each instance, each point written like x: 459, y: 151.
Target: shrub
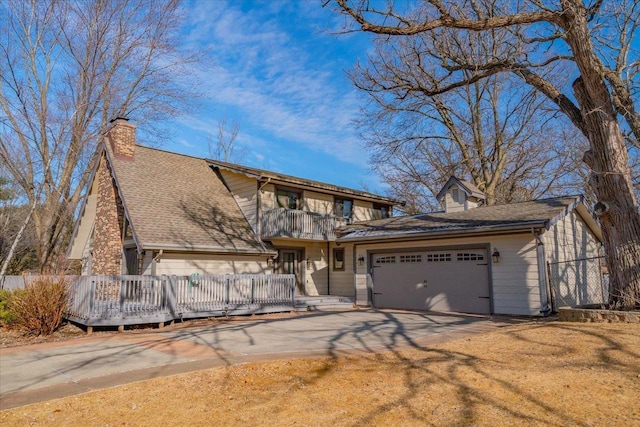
x: 39, y: 307
x: 6, y: 316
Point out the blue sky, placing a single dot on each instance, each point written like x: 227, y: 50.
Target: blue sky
x: 280, y: 74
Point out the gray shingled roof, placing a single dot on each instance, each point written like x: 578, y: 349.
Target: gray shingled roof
x: 275, y: 176
x: 537, y: 213
x: 177, y: 202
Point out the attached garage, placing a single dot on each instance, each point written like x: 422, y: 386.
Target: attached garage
x: 437, y: 280
x: 471, y: 258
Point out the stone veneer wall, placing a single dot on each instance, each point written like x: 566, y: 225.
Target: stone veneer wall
x: 107, y: 240
x: 568, y: 314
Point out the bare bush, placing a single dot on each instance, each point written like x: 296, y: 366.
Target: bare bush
x: 38, y: 309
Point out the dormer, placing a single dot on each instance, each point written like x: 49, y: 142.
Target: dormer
x: 458, y: 195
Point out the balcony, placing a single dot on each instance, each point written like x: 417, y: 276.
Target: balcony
x: 298, y: 224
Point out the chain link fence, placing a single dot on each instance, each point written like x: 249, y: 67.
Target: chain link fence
x: 578, y: 282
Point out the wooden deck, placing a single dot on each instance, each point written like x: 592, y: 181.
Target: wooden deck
x: 132, y: 300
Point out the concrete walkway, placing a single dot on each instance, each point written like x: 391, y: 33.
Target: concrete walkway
x: 47, y: 371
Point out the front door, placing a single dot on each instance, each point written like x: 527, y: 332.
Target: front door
x: 290, y: 264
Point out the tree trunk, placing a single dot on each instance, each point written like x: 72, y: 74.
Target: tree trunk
x: 609, y: 162
x: 619, y: 217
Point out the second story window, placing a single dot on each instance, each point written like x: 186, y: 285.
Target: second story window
x: 289, y: 199
x: 381, y: 211
x: 343, y: 208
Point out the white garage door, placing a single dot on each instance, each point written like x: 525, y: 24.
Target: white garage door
x: 447, y: 280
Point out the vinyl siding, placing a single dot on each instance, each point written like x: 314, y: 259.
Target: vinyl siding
x: 570, y: 239
x: 187, y: 264
x: 316, y: 270
x: 515, y: 284
x: 317, y: 202
x: 321, y: 203
x: 362, y: 211
x: 573, y: 282
x: 268, y: 197
x: 244, y: 190
x: 342, y: 281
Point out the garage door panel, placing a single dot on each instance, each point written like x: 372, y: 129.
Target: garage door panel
x: 452, y: 280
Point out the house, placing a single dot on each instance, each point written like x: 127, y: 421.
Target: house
x: 152, y: 212
x: 485, y: 260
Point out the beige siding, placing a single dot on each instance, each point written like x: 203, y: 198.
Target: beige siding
x: 316, y: 269
x: 451, y: 205
x: 244, y: 190
x: 515, y: 283
x: 317, y: 202
x: 578, y: 282
x: 362, y: 211
x: 187, y: 264
x: 268, y: 197
x: 342, y: 281
x: 570, y: 239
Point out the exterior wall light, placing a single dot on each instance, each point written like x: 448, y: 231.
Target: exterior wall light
x: 495, y: 256
x: 309, y: 264
x: 361, y: 260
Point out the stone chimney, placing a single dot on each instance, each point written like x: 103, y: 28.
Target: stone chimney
x: 122, y: 136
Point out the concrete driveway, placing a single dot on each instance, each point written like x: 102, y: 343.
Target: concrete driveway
x: 45, y: 371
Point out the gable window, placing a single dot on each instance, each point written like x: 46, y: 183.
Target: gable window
x: 343, y: 208
x: 381, y: 211
x: 338, y: 259
x: 289, y: 199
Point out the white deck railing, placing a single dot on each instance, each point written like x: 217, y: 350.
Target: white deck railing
x: 120, y: 300
x: 282, y: 222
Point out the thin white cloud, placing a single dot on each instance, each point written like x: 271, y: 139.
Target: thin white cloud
x: 280, y: 82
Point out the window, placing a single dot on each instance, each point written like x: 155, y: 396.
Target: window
x: 288, y: 199
x: 343, y: 208
x: 470, y: 257
x: 391, y: 259
x: 438, y: 257
x: 410, y: 258
x: 338, y: 259
x: 381, y: 211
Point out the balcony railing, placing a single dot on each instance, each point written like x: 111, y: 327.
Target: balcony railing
x: 298, y: 224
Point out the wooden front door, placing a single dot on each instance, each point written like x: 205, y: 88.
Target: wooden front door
x: 290, y: 263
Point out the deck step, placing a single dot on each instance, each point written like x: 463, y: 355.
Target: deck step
x: 323, y: 302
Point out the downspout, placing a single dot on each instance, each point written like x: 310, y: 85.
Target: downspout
x: 545, y: 290
x: 329, y: 257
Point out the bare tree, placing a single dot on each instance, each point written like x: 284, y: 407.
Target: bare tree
x: 66, y: 68
x: 223, y: 146
x: 493, y: 130
x: 593, y: 42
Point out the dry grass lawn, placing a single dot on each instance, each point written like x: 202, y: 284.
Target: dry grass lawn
x: 559, y: 374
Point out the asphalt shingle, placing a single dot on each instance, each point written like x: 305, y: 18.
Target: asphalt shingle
x: 178, y: 201
x: 485, y: 217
